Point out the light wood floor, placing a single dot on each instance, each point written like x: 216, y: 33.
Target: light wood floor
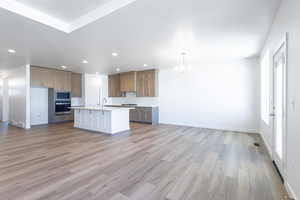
x: 150, y: 162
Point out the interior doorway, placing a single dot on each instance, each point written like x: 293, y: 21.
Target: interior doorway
x: 279, y: 106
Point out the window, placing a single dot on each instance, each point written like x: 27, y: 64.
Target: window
x: 265, y: 87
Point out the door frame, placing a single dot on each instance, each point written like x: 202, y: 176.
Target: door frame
x: 283, y: 43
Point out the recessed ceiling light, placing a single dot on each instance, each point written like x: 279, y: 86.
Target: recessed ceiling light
x: 118, y: 69
x: 145, y: 65
x: 12, y: 51
x: 85, y: 62
x: 63, y: 67
x: 114, y: 54
x: 97, y: 72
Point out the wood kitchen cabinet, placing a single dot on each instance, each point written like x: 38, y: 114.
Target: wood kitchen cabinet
x: 114, y: 86
x: 144, y: 115
x: 67, y: 81
x: 58, y: 81
x: 76, y: 86
x: 41, y: 77
x: 140, y: 83
x: 62, y: 81
x: 50, y: 78
x: 148, y: 115
x: 146, y: 83
x: 128, y: 82
x: 35, y: 76
x: 133, y: 115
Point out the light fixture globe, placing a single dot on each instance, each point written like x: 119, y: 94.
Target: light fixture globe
x: 183, y: 67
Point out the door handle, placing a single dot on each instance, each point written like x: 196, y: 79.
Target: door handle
x: 272, y: 115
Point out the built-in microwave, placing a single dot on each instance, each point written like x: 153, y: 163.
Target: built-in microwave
x: 63, y: 96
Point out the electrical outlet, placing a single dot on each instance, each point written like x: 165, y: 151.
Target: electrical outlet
x: 293, y: 164
x: 293, y: 104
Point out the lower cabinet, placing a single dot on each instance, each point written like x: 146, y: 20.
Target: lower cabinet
x: 77, y: 119
x: 92, y: 120
x: 144, y: 115
x: 133, y: 115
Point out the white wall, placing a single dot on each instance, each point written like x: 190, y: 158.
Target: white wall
x: 214, y: 95
x: 19, y: 96
x: 39, y: 106
x: 1, y: 99
x: 5, y: 103
x: 220, y: 95
x: 287, y: 20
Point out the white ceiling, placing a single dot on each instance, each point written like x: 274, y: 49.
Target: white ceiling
x: 154, y: 32
x: 66, y: 10
x: 67, y: 15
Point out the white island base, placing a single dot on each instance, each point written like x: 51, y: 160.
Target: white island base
x: 106, y: 120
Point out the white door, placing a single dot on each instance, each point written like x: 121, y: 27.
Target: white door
x: 279, y: 108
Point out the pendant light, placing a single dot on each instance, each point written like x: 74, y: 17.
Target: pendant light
x: 183, y: 67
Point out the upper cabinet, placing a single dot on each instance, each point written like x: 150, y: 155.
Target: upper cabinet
x: 128, y: 82
x: 51, y: 78
x: 144, y: 83
x: 62, y: 81
x: 114, y: 86
x: 41, y: 77
x: 76, y: 85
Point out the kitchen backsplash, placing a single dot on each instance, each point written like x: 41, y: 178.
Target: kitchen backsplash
x: 132, y: 99
x: 76, y: 101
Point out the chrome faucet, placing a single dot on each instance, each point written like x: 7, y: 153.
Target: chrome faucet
x: 104, y: 100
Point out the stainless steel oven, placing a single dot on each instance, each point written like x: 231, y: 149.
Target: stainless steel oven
x: 62, y: 103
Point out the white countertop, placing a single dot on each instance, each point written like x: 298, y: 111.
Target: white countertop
x: 138, y: 105
x: 151, y: 106
x: 99, y: 108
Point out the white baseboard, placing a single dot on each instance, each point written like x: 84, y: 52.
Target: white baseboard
x: 215, y: 127
x: 269, y: 149
x: 287, y: 186
x: 17, y: 124
x: 290, y: 191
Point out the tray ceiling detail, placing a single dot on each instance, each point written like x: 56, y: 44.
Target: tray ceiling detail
x: 67, y: 15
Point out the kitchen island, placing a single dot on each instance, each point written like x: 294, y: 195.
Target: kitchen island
x: 110, y: 120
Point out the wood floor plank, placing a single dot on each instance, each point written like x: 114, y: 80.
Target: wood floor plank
x: 119, y: 197
x: 58, y: 162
